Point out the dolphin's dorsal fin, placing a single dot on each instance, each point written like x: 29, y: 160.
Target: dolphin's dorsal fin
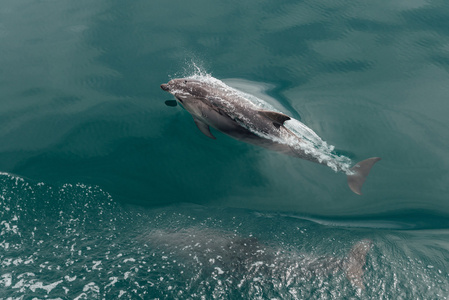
x: 204, y: 128
x: 277, y: 118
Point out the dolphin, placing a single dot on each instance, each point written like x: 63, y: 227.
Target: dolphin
x: 214, y: 104
x: 235, y: 255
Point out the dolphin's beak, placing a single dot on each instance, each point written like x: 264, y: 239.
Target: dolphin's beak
x: 164, y: 87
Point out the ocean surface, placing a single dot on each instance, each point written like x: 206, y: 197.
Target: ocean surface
x: 106, y: 192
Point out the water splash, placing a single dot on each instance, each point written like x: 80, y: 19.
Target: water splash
x: 195, y: 68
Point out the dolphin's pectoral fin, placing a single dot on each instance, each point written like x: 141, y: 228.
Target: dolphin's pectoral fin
x: 204, y: 128
x: 277, y: 118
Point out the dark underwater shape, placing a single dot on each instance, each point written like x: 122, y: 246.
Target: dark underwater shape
x: 246, y: 256
x: 171, y: 103
x: 214, y: 104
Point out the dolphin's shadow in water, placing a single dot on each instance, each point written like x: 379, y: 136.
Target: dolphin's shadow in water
x: 171, y: 103
x: 235, y: 256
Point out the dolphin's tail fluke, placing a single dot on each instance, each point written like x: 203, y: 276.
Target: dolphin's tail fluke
x: 355, y: 262
x: 359, y: 173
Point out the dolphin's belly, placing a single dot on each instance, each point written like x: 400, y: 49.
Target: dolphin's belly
x: 227, y: 125
x: 222, y: 122
x: 270, y: 136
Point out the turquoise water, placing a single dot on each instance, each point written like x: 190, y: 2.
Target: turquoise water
x: 107, y: 192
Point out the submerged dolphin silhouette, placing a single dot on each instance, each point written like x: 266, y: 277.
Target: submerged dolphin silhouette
x: 212, y: 103
x: 234, y: 255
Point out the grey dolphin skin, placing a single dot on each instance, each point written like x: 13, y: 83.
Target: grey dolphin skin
x: 213, y: 104
x: 247, y: 256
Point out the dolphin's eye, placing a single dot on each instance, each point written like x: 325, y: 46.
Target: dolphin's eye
x: 185, y: 81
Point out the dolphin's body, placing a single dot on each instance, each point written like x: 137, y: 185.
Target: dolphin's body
x: 214, y: 104
x: 236, y: 256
